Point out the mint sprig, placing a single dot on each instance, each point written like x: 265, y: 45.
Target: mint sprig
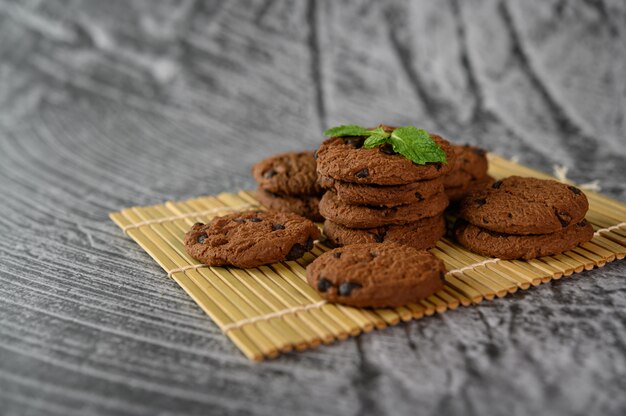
x: 414, y: 144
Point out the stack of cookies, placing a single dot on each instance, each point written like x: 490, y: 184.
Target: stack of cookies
x: 288, y: 183
x: 523, y: 218
x: 375, y: 195
x: 468, y: 174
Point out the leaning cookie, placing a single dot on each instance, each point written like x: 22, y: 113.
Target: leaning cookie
x: 250, y: 239
x: 376, y: 275
x: 511, y: 246
x: 517, y: 205
x: 366, y: 216
x: 354, y: 194
x: 420, y: 235
x: 345, y: 159
x: 291, y: 173
x: 457, y: 193
x: 305, y: 206
x: 470, y: 165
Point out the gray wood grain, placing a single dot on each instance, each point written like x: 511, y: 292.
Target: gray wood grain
x: 110, y: 104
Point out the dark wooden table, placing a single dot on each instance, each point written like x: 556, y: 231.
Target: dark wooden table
x: 109, y: 104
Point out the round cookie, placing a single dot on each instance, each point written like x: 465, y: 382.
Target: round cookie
x: 420, y: 235
x: 517, y: 205
x: 511, y: 246
x: 251, y: 238
x: 457, y: 193
x: 376, y: 275
x: 390, y: 195
x: 305, y: 206
x: 345, y: 159
x: 290, y: 173
x: 370, y: 216
x: 470, y: 165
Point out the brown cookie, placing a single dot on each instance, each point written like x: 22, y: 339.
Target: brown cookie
x: 290, y: 173
x: 370, y: 216
x: 517, y: 205
x: 470, y: 165
x: 305, y: 206
x: 376, y: 275
x: 511, y: 246
x: 420, y: 235
x: 345, y: 159
x: 251, y: 238
x: 457, y: 193
x: 390, y: 195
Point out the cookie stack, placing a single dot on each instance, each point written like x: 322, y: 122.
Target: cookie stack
x: 468, y: 174
x: 523, y: 218
x: 288, y: 183
x: 375, y: 195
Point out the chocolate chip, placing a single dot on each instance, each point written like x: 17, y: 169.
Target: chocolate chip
x: 323, y: 284
x: 356, y: 142
x: 575, y: 190
x: 269, y: 173
x: 273, y: 195
x: 465, y: 160
x: 198, y: 224
x: 582, y: 223
x: 239, y: 220
x: 438, y: 166
x: 315, y: 155
x: 419, y: 196
x: 480, y: 202
x: 564, y: 218
x: 298, y: 250
x: 276, y: 227
x: 442, y: 276
x: 478, y: 151
x: 255, y: 219
x: 346, y: 288
x: 509, y: 215
x: 201, y: 238
x: 379, y: 238
x: 387, y: 149
x: 363, y: 173
x: 497, y: 185
x: 336, y: 254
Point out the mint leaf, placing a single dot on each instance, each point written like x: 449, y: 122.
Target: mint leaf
x: 347, y: 130
x: 416, y: 145
x: 375, y: 140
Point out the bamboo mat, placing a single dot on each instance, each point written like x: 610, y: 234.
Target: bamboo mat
x: 271, y: 309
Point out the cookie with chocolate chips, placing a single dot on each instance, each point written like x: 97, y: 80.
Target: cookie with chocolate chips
x: 251, y: 238
x: 470, y: 165
x: 291, y: 173
x: 511, y: 246
x: 517, y: 205
x: 369, y: 216
x: 421, y: 235
x: 382, y: 195
x: 345, y: 159
x: 305, y: 206
x: 376, y: 275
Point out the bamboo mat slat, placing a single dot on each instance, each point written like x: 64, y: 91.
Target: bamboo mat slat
x: 271, y: 309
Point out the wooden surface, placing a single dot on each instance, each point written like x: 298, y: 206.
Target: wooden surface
x: 104, y: 105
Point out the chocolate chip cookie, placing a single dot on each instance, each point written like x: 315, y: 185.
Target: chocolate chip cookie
x: 290, y: 173
x: 305, y: 206
x: 518, y: 205
x: 376, y: 275
x: 457, y: 193
x: 421, y: 235
x: 345, y: 159
x: 251, y: 238
x: 470, y: 165
x: 511, y: 246
x: 370, y: 216
x: 390, y: 195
